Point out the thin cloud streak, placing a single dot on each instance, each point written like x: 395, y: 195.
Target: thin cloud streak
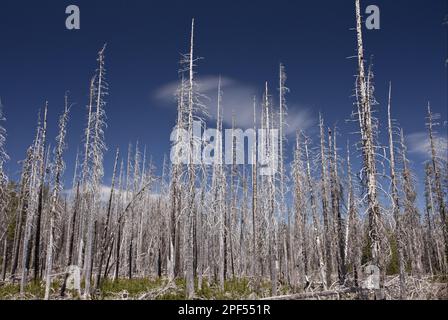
x: 418, y: 143
x: 237, y: 99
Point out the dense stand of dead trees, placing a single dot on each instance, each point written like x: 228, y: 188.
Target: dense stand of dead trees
x: 314, y: 223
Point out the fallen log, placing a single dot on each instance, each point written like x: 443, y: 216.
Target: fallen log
x: 308, y: 295
x: 152, y: 295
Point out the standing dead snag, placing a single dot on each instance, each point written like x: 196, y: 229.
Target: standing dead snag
x: 314, y: 217
x: 5, y: 219
x: 300, y: 222
x: 57, y: 188
x: 194, y: 110
x: 233, y: 199
x: 71, y: 238
x: 428, y: 237
x: 254, y: 199
x: 36, y: 180
x: 324, y: 195
x: 434, y: 250
x: 352, y: 242
x: 105, y: 238
x: 118, y: 232
x: 85, y: 175
x: 411, y: 213
x: 437, y: 179
x: 40, y: 204
x: 95, y: 155
x: 21, y: 209
x: 269, y: 151
x: 283, y: 207
x: 219, y: 196
x: 395, y: 202
x: 173, y: 263
x: 336, y: 194
x: 368, y: 151
x: 191, y: 176
x: 3, y: 178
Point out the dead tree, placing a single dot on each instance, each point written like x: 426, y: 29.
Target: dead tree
x: 55, y: 209
x: 35, y: 181
x: 71, y: 240
x: 21, y: 209
x: 411, y: 213
x: 300, y: 220
x: 335, y: 191
x: 40, y: 203
x: 254, y: 197
x: 437, y: 179
x: 368, y: 145
x: 352, y: 235
x: 105, y: 238
x: 283, y: 207
x: 312, y: 195
x: 395, y: 201
x: 324, y: 196
x: 96, y: 155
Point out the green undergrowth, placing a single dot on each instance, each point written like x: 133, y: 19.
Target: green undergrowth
x: 146, y: 288
x: 132, y: 288
x: 34, y: 290
x: 162, y: 289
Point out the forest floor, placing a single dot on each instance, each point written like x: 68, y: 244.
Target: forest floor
x: 237, y: 289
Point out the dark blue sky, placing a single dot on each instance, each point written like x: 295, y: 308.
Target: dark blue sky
x: 244, y: 41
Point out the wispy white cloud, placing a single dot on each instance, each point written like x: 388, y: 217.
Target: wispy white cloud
x: 418, y: 143
x: 237, y: 98
x: 298, y: 119
x: 206, y: 84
